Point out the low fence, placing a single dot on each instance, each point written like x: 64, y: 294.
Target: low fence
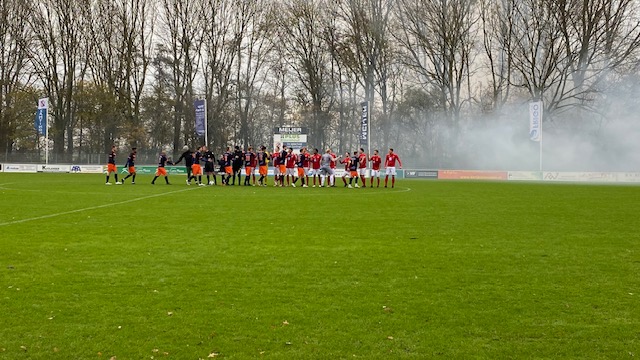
x: 551, y: 176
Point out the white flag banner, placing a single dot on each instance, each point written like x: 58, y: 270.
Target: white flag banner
x: 535, y: 121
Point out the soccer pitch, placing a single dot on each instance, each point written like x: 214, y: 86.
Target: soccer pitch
x: 430, y: 269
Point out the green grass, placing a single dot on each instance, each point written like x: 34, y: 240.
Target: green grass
x: 431, y: 269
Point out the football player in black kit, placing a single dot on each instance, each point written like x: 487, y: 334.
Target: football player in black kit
x: 209, y: 165
x: 161, y: 171
x: 237, y: 165
x: 131, y: 166
x: 188, y: 161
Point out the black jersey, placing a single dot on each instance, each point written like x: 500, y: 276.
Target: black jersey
x: 301, y: 160
x: 249, y: 157
x: 228, y: 158
x: 237, y: 159
x: 188, y: 158
x: 131, y: 160
x: 353, y: 165
x: 111, y: 159
x: 162, y: 160
x: 262, y: 158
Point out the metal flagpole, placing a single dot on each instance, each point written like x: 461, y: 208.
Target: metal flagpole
x: 206, y: 125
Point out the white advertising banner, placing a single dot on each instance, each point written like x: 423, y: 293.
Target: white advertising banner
x: 580, y: 176
x: 86, y: 169
x: 525, y: 175
x: 54, y: 168
x: 20, y: 168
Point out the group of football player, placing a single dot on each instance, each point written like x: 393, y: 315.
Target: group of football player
x: 289, y: 167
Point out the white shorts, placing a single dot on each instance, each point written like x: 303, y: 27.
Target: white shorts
x: 391, y: 171
x: 313, y: 172
x: 375, y: 173
x: 307, y: 171
x: 276, y: 170
x: 362, y: 171
x: 292, y: 172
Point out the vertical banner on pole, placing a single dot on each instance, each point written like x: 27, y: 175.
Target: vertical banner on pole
x: 535, y: 124
x: 535, y: 121
x: 41, y: 116
x: 200, y: 107
x: 364, y: 125
x: 42, y: 125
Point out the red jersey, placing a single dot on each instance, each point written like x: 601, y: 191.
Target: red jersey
x: 305, y: 160
x: 346, y: 161
x: 376, y: 161
x: 291, y: 160
x: 315, y: 161
x: 275, y: 158
x: 362, y: 161
x: 333, y: 162
x: 391, y: 160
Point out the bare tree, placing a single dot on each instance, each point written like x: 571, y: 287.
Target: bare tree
x: 120, y: 43
x: 183, y: 21
x: 369, y: 53
x: 15, y: 40
x: 300, y: 30
x: 497, y: 20
x: 251, y: 64
x: 224, y: 25
x: 59, y: 60
x: 600, y: 37
x: 438, y: 41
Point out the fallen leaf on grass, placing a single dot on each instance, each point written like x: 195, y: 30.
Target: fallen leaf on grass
x: 170, y: 313
x: 212, y: 355
x: 390, y: 337
x: 285, y: 322
x: 24, y: 348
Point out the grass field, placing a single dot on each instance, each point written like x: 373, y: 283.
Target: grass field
x: 430, y: 269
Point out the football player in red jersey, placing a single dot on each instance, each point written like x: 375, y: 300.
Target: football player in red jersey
x: 315, y: 166
x: 362, y: 167
x: 347, y: 164
x: 390, y: 166
x: 275, y: 159
x: 249, y: 166
x: 290, y: 167
x: 376, y: 160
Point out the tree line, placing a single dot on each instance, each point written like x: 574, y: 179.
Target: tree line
x: 128, y: 71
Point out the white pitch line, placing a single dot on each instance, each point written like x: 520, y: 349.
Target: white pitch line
x: 93, y: 207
